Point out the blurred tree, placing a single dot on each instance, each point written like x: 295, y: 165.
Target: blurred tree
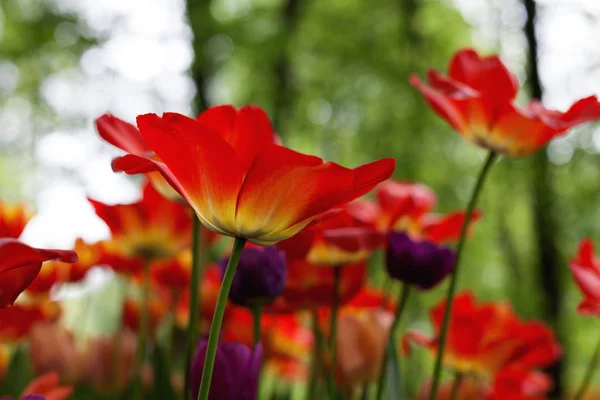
x: 36, y: 40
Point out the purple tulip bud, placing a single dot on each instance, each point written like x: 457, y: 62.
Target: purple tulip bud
x: 235, y: 374
x: 420, y: 263
x: 260, y: 276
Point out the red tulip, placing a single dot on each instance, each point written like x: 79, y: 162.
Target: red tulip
x: 407, y: 207
x: 309, y: 286
x: 153, y: 228
x: 48, y: 386
x: 476, y: 99
x: 241, y: 184
x: 484, y: 339
x: 20, y: 264
x: 586, y: 271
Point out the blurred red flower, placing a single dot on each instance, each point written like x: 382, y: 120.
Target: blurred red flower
x: 484, y: 339
x: 13, y: 219
x: 309, y: 286
x: 510, y: 383
x: 407, y: 207
x: 335, y: 240
x: 20, y: 264
x: 238, y: 181
x: 154, y: 228
x: 285, y: 340
x: 586, y: 271
x: 476, y: 99
x: 16, y: 322
x: 159, y: 303
x: 48, y: 385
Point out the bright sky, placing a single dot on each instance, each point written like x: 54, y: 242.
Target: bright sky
x: 142, y: 67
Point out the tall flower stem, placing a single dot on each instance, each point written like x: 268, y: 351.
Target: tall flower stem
x: 399, y: 311
x: 458, y: 379
x: 194, y: 304
x: 215, y: 327
x: 335, y: 305
x: 589, y: 373
x: 142, y: 343
x: 437, y: 372
x: 256, y: 317
x: 316, y: 356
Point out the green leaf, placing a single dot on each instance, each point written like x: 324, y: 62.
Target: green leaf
x: 18, y: 375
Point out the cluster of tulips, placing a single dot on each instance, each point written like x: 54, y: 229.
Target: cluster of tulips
x: 292, y: 302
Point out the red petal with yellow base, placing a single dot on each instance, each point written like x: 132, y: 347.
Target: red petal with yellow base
x: 239, y: 183
x: 476, y: 99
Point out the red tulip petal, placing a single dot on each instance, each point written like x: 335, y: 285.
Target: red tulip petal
x: 284, y: 190
x: 440, y: 229
x: 202, y: 162
x: 442, y: 105
x: 417, y: 337
x: 248, y: 131
x: 488, y: 75
x: 353, y: 239
x: 121, y: 134
x: 20, y: 264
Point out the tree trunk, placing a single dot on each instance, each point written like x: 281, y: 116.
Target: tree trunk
x: 549, y: 264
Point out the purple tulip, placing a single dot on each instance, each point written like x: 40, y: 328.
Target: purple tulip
x: 260, y: 276
x: 235, y: 373
x: 28, y: 397
x: 420, y: 263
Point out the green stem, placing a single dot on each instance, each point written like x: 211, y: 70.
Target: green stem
x: 142, y: 343
x: 316, y: 357
x: 589, y: 373
x: 458, y: 378
x: 437, y: 372
x: 194, y: 304
x: 335, y: 305
x: 399, y: 311
x: 365, y: 391
x: 215, y: 327
x: 256, y: 317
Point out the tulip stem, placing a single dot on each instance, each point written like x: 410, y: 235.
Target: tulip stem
x: 142, y: 343
x: 458, y: 378
x: 589, y: 373
x: 399, y: 311
x: 437, y: 372
x: 256, y: 317
x: 215, y: 327
x: 316, y: 356
x: 194, y: 304
x: 335, y: 305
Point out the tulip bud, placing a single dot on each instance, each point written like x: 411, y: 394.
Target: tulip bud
x: 420, y: 263
x: 235, y: 374
x: 260, y: 276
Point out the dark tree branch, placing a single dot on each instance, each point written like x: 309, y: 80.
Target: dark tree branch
x: 549, y: 263
x: 201, y: 24
x: 282, y: 69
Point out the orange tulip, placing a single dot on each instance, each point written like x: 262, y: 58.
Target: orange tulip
x: 241, y: 184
